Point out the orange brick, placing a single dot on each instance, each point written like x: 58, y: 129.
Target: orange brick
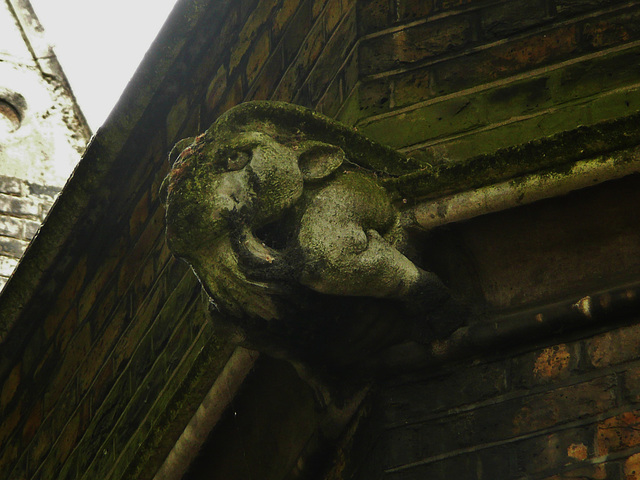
x: 332, y: 15
x: 258, y: 17
x: 618, y: 433
x: 284, y: 14
x: 552, y: 363
x: 632, y: 467
x: 614, y: 347
x: 577, y: 451
x: 258, y: 57
x: 232, y: 96
x: 216, y: 88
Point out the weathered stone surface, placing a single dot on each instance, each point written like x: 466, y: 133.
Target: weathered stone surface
x: 272, y: 209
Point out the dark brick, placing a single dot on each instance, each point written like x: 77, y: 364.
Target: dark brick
x: 72, y: 359
x: 412, y: 45
x: 373, y: 15
x: 553, y: 451
x: 573, y: 7
x: 375, y: 97
x: 512, y: 17
x: 613, y: 30
x: 615, y: 347
x: 631, y: 384
x: 498, y: 422
x: 297, y: 31
x: 410, y: 9
x: 258, y: 56
x: 463, y: 467
x: 601, y: 471
x: 255, y: 25
x: 317, y: 7
x: 216, y: 88
x: 412, y: 87
x: 454, y: 4
x: 232, y: 97
x: 297, y: 71
x: 172, y: 310
x: 564, y: 404
x: 7, y: 460
x: 332, y: 57
x: 283, y: 16
x: 331, y: 101
x: 351, y: 73
x: 101, y: 385
x: 410, y: 403
x: 333, y: 15
x: 506, y: 59
x: 10, y: 386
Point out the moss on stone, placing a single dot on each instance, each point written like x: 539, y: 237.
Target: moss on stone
x: 561, y: 149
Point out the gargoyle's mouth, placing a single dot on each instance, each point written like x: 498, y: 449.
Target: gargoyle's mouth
x: 253, y: 249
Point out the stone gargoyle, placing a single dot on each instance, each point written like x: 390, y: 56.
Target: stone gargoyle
x: 281, y: 213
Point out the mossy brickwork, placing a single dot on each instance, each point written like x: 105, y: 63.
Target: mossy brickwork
x: 449, y: 80
x: 101, y: 375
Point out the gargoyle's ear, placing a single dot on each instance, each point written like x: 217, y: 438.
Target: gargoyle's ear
x: 178, y: 148
x: 318, y: 160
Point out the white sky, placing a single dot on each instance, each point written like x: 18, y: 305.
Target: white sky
x: 100, y: 44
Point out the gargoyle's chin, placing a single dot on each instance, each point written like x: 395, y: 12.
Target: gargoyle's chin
x: 228, y: 285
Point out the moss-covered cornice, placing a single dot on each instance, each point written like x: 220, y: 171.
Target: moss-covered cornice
x: 555, y: 153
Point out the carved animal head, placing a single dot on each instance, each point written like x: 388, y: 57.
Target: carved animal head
x: 275, y: 207
x: 245, y: 172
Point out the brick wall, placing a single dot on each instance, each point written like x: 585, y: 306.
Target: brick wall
x: 569, y: 410
x: 451, y: 79
x: 101, y: 373
x: 23, y: 206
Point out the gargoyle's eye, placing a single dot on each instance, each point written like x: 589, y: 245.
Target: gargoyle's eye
x: 237, y: 160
